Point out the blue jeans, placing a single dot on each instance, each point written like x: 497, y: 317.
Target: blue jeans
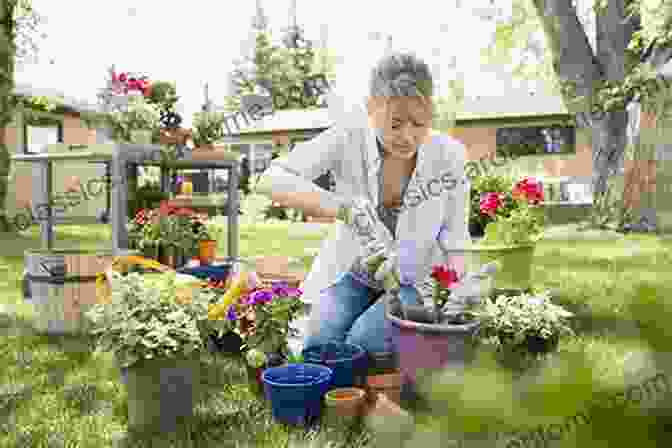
x: 352, y: 312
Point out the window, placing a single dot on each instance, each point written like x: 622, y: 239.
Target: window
x: 536, y: 140
x: 41, y: 130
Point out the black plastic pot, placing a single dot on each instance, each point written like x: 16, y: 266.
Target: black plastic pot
x: 229, y: 344
x: 533, y: 344
x: 476, y: 229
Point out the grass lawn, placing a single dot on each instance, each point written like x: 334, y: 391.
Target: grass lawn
x: 55, y: 393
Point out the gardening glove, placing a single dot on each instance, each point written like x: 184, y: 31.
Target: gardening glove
x: 388, y: 272
x: 360, y: 215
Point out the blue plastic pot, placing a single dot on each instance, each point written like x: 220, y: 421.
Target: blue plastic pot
x: 296, y: 390
x: 348, y: 361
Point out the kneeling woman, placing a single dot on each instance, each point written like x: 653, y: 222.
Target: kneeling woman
x: 411, y: 175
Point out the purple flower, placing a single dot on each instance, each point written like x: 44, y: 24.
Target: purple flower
x: 260, y: 297
x: 231, y: 313
x: 280, y: 288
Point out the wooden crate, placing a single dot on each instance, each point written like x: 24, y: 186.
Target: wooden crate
x: 60, y: 307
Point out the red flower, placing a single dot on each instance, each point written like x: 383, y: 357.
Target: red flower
x: 490, y: 202
x: 123, y: 77
x: 529, y: 189
x: 183, y: 212
x: 446, y: 276
x: 165, y: 208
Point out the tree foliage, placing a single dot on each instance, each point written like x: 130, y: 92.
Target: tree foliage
x: 600, y: 56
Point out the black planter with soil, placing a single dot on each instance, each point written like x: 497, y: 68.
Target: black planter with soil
x: 228, y: 344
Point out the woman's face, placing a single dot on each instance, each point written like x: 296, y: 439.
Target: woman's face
x: 403, y: 123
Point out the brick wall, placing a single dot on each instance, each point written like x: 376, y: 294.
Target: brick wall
x: 639, y: 176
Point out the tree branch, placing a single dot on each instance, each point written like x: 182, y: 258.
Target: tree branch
x: 573, y: 58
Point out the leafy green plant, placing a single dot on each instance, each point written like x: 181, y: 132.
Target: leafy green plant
x: 146, y: 320
x: 163, y: 94
x: 510, y: 321
x: 208, y: 127
x: 484, y: 184
x: 523, y: 224
x: 139, y: 115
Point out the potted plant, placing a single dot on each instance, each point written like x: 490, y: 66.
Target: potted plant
x: 526, y: 325
x: 137, y: 122
x: 517, y: 224
x: 208, y: 128
x: 429, y: 338
x: 345, y: 404
x: 144, y: 233
x: 156, y: 334
x: 179, y: 228
x: 481, y: 185
x: 262, y: 318
x: 209, y: 237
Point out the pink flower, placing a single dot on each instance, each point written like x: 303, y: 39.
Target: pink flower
x: 529, y: 189
x: 123, y: 77
x: 490, y: 202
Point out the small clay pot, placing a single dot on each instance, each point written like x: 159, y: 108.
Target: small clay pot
x: 345, y: 402
x: 388, y: 384
x: 207, y: 251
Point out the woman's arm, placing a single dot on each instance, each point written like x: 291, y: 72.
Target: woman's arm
x: 454, y: 231
x: 289, y: 180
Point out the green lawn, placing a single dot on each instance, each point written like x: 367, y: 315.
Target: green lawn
x: 55, y: 389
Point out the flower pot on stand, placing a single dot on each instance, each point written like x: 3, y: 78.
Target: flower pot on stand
x: 207, y: 251
x: 161, y: 393
x: 141, y: 136
x: 515, y: 273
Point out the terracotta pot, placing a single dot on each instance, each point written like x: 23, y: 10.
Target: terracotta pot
x: 206, y: 251
x: 205, y: 147
x: 346, y: 402
x: 177, y: 136
x: 388, y: 384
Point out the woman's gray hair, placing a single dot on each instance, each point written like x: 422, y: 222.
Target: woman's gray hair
x: 401, y: 74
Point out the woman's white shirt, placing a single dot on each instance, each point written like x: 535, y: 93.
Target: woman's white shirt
x: 437, y: 196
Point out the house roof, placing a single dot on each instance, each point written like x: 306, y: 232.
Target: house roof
x: 512, y: 104
x: 68, y: 102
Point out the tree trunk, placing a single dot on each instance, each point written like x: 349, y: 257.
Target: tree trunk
x: 575, y: 61
x: 7, y: 55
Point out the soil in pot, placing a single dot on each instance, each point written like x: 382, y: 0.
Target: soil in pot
x: 344, y: 405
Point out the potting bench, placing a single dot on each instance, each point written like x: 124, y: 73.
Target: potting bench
x: 126, y: 159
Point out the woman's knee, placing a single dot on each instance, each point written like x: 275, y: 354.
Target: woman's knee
x: 371, y: 330
x: 409, y: 295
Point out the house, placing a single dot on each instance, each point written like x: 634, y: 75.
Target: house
x: 30, y: 131
x: 483, y: 124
